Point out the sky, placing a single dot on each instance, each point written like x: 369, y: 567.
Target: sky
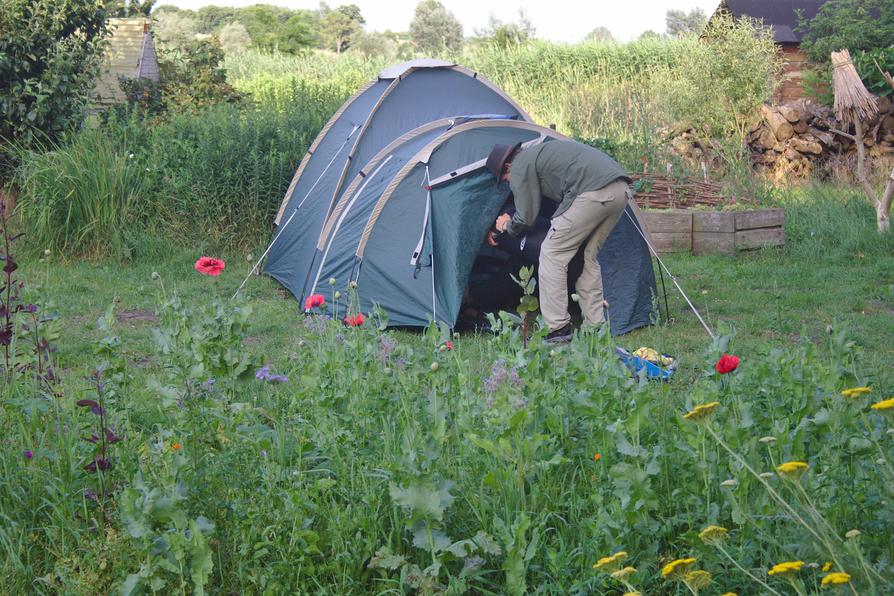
x: 557, y: 20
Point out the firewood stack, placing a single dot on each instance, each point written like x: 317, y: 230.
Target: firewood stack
x: 792, y: 139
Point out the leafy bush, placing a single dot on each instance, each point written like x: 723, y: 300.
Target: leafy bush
x: 718, y: 85
x: 868, y: 65
x: 190, y: 78
x: 49, y: 59
x: 853, y: 24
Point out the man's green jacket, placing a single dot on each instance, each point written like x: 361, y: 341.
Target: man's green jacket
x: 557, y: 170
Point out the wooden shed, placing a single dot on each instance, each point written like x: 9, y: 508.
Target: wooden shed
x: 131, y: 53
x: 782, y: 17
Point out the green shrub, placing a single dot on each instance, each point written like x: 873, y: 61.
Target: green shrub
x: 49, y: 59
x: 718, y: 85
x: 220, y: 174
x: 853, y: 24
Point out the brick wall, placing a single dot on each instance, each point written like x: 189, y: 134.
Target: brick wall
x: 794, y: 62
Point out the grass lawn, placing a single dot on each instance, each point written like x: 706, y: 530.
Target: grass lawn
x: 835, y: 270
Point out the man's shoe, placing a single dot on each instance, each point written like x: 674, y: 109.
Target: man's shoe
x: 561, y: 335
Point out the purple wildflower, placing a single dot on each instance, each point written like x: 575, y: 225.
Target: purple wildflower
x: 387, y: 345
x: 316, y: 324
x: 499, y: 375
x: 29, y: 455
x: 264, y: 374
x: 263, y: 453
x: 99, y: 463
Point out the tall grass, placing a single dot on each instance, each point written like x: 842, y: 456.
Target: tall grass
x: 596, y: 90
x: 216, y: 176
x: 78, y: 197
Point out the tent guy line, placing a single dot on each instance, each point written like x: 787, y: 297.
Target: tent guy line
x: 294, y: 211
x: 671, y: 275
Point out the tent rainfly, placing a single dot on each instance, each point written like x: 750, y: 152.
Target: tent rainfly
x: 394, y: 196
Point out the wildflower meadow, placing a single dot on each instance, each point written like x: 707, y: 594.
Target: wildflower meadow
x: 215, y: 447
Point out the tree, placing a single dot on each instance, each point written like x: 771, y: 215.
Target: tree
x: 132, y: 8
x: 263, y: 23
x: 434, y: 30
x: 600, y: 34
x: 175, y: 29
x: 508, y: 35
x: 234, y: 37
x: 649, y: 34
x: 212, y: 18
x: 374, y: 44
x: 50, y: 53
x: 339, y: 26
x: 852, y: 24
x: 680, y: 22
x: 295, y: 34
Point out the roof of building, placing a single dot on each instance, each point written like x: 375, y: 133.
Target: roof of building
x: 780, y: 15
x: 130, y: 53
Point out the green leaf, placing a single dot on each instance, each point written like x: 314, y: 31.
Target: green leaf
x: 201, y: 562
x: 424, y: 502
x: 385, y: 559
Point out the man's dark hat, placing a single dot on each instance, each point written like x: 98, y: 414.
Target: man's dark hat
x: 498, y: 157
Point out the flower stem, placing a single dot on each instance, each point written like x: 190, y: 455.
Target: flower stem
x: 772, y: 492
x: 745, y: 571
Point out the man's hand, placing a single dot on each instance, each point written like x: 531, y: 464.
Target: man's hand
x: 502, y: 222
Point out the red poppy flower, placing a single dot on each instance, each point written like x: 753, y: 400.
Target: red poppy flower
x: 210, y: 266
x: 354, y: 320
x: 449, y: 344
x: 313, y: 301
x: 727, y: 364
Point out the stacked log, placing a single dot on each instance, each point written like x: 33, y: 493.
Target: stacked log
x: 795, y: 139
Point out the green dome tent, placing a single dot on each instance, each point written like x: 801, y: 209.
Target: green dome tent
x: 408, y: 224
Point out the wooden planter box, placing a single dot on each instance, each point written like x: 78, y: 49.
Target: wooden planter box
x: 714, y: 232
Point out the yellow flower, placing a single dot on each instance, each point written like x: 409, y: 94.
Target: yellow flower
x: 697, y: 580
x: 827, y: 566
x: 837, y: 577
x: 713, y: 534
x: 677, y: 566
x: 888, y: 404
x: 787, y: 567
x: 855, y: 391
x: 612, y: 563
x: 622, y: 574
x: 792, y: 470
x: 631, y: 594
x: 701, y: 412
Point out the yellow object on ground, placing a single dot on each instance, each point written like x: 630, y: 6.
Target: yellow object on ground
x: 653, y: 356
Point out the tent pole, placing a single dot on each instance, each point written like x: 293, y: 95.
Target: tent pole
x: 282, y: 228
x: 671, y: 275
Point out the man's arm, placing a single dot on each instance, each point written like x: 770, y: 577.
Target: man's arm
x: 526, y: 188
